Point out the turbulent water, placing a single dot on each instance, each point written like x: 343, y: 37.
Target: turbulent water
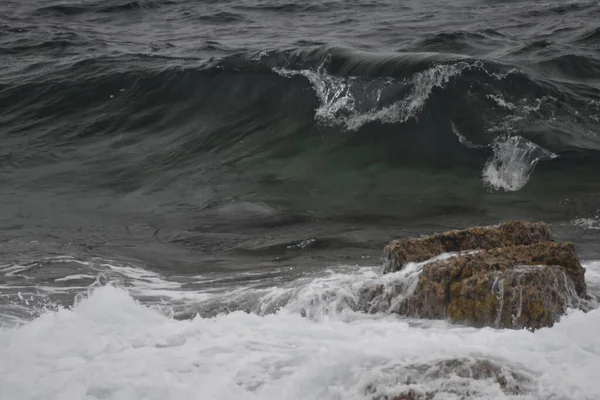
x: 196, y: 193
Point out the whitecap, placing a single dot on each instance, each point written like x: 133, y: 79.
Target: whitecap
x: 352, y: 102
x: 513, y: 163
x: 112, y: 347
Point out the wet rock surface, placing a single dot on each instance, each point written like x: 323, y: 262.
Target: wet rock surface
x: 521, y: 280
x: 463, y: 372
x: 399, y: 252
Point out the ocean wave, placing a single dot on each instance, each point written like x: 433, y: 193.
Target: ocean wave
x: 561, y: 9
x: 222, y: 17
x: 591, y: 36
x: 353, y: 103
x: 573, y: 65
x: 409, y: 104
x: 460, y: 41
x: 112, y: 6
x: 54, y: 42
x: 289, y: 7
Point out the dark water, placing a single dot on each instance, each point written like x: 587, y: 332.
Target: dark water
x: 214, y: 136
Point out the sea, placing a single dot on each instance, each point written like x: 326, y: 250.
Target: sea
x: 195, y: 193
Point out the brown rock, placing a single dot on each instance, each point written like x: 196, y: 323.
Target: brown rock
x: 400, y: 252
x: 527, y: 297
x: 511, y: 287
x: 506, y: 276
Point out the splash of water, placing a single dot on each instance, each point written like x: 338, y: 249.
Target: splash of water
x: 136, y: 351
x: 111, y: 346
x: 352, y: 102
x: 513, y: 163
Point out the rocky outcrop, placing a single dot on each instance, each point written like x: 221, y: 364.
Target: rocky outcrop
x: 400, y: 252
x: 521, y: 280
x: 462, y: 379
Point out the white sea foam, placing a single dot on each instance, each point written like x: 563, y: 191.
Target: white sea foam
x: 110, y: 346
x: 343, y: 293
x: 346, y: 296
x: 339, y: 102
x: 461, y: 138
x: 513, y: 162
x: 587, y: 223
x: 501, y: 101
x: 25, y: 297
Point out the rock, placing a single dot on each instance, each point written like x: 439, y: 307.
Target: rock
x: 414, y: 395
x: 528, y: 285
x: 459, y: 378
x: 400, y: 252
x: 525, y: 297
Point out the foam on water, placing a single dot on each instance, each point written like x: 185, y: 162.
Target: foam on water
x: 22, y: 296
x: 110, y: 346
x: 346, y: 296
x: 513, y: 163
x: 352, y: 102
x: 462, y: 139
x: 587, y: 223
x: 345, y: 293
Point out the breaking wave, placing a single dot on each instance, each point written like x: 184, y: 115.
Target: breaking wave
x: 315, y: 341
x: 297, y: 118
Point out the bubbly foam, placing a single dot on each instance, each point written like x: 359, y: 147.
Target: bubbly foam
x: 587, y: 223
x: 25, y: 297
x: 111, y: 346
x: 353, y: 102
x: 461, y: 138
x: 513, y: 163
